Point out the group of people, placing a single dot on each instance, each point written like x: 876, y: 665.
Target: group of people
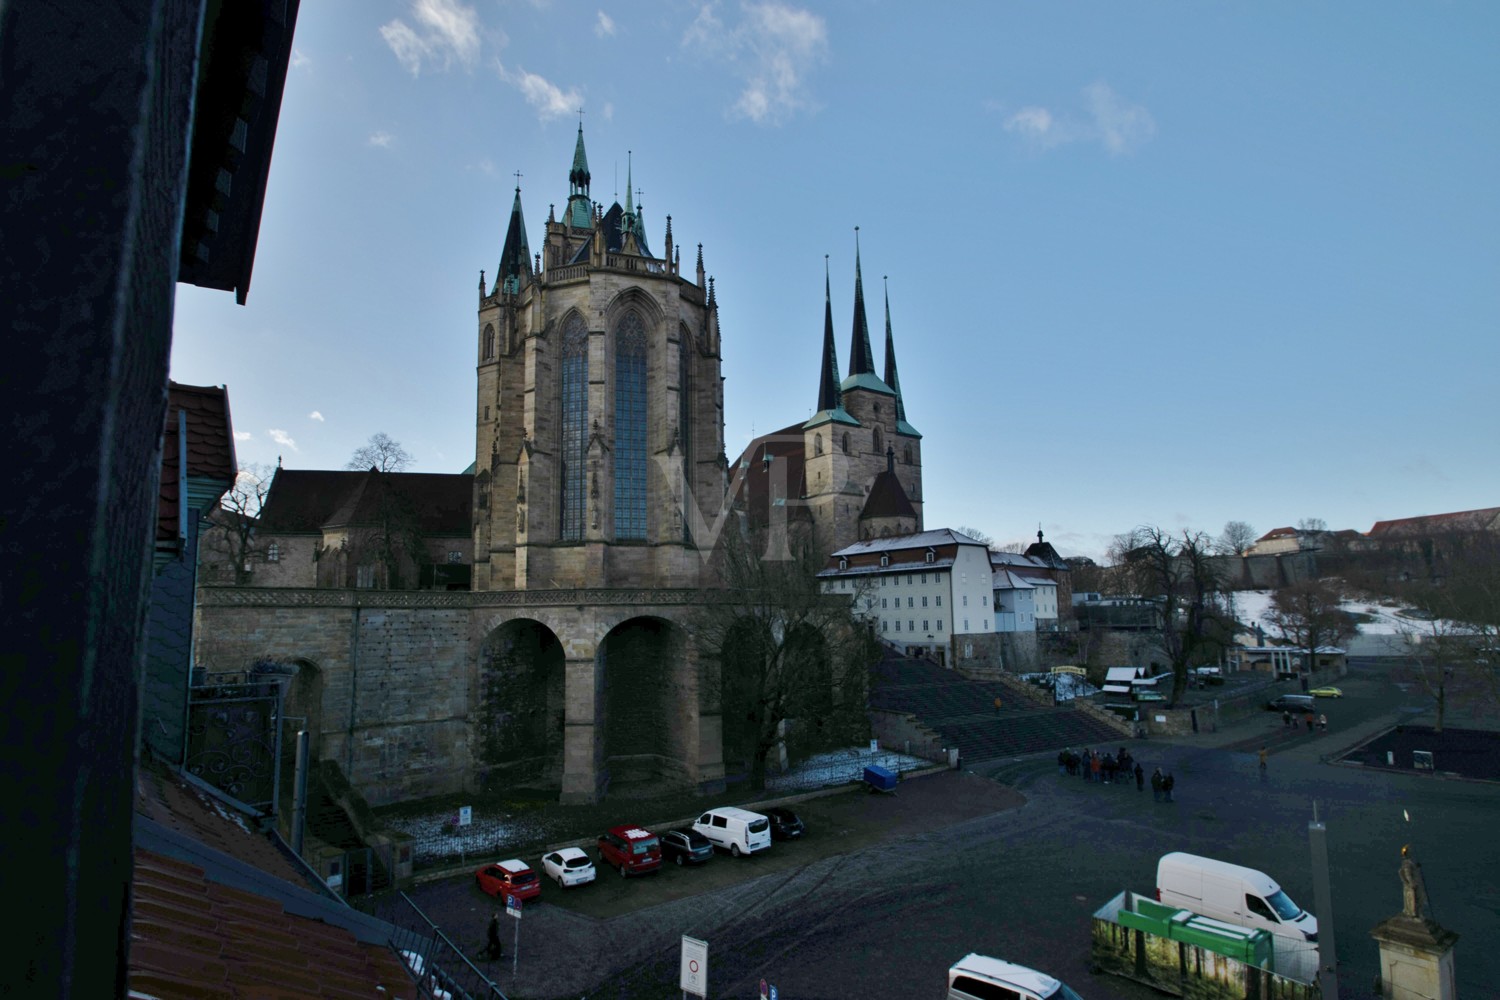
x: 1288, y: 722
x: 1110, y: 768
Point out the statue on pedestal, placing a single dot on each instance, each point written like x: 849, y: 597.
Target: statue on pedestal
x: 1413, y: 890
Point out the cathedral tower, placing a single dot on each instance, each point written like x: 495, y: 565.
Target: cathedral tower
x: 599, y: 415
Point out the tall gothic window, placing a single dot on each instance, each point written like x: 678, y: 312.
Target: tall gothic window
x: 878, y: 449
x: 575, y: 420
x: 630, y: 428
x: 685, y: 417
x: 489, y: 342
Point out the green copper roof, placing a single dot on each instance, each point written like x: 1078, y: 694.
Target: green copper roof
x: 580, y: 212
x: 578, y: 177
x: 866, y: 380
x: 892, y: 379
x: 515, y: 256
x: 905, y: 429
x: 861, y: 358
x: 829, y: 398
x: 838, y: 415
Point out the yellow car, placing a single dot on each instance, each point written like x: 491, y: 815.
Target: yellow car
x: 1327, y: 692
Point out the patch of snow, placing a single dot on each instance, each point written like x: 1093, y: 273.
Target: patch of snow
x: 840, y: 767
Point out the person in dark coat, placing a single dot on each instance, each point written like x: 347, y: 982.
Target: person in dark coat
x: 1286, y: 719
x: 1140, y: 778
x: 1167, y: 784
x: 1156, y: 780
x: 1062, y: 761
x: 494, y: 950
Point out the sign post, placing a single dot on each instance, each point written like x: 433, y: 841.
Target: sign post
x: 513, y: 907
x: 694, y: 978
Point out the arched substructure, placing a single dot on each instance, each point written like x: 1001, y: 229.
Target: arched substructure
x: 650, y: 707
x: 302, y: 708
x: 521, y: 707
x: 783, y: 697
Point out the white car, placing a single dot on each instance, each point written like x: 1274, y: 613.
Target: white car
x: 568, y: 866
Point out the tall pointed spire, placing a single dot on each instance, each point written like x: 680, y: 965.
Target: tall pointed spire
x: 891, y: 378
x: 830, y: 396
x: 580, y: 213
x: 861, y: 358
x: 515, y: 256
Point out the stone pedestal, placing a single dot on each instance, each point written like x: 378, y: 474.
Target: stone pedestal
x: 1416, y: 959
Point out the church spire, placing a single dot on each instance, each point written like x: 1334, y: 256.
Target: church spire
x: 515, y: 256
x: 580, y: 211
x: 830, y: 396
x: 861, y: 358
x: 891, y: 378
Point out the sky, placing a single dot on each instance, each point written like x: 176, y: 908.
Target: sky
x: 1148, y: 263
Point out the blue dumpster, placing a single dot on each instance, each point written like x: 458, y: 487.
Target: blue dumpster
x: 878, y: 779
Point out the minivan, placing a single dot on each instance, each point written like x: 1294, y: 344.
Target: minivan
x: 738, y: 831
x: 1297, y: 704
x: 1231, y: 893
x: 631, y: 849
x: 977, y: 977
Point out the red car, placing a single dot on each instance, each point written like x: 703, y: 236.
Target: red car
x: 632, y: 849
x: 508, y: 878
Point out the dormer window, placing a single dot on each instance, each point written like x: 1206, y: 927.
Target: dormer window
x: 885, y: 560
x: 843, y: 564
x: 931, y: 555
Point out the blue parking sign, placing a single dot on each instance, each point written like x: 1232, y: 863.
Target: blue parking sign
x: 773, y: 991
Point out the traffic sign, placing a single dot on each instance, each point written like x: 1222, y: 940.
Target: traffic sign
x: 764, y: 991
x: 773, y: 991
x: 694, y: 978
x: 513, y: 905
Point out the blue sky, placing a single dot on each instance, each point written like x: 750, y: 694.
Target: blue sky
x: 1149, y: 263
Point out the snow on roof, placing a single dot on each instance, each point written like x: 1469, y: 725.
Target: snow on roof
x: 921, y: 539
x: 1004, y: 579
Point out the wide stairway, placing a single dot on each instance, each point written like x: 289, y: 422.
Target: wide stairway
x: 963, y: 712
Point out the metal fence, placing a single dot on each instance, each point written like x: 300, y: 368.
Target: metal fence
x: 441, y: 969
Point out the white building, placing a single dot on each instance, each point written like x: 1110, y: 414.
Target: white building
x: 918, y: 591
x: 1025, y: 600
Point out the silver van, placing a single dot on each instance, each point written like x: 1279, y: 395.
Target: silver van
x: 978, y: 977
x: 1297, y: 704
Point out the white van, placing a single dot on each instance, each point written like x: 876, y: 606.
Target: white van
x: 976, y: 977
x: 738, y: 831
x: 1233, y: 894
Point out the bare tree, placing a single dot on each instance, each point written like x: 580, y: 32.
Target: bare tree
x: 1447, y: 659
x: 1310, y: 615
x: 381, y: 453
x: 1236, y: 538
x: 231, y: 535
x: 787, y: 650
x: 1454, y: 653
x: 394, y: 537
x: 1315, y: 525
x: 1179, y: 573
x: 977, y: 535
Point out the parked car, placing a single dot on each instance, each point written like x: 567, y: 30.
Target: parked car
x: 508, y: 878
x: 977, y: 977
x: 568, y: 866
x: 1294, y: 703
x: 785, y: 824
x: 1327, y: 692
x: 633, y: 850
x: 685, y: 846
x: 738, y: 831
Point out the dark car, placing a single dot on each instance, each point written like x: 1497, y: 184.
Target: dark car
x: 785, y: 824
x: 686, y: 846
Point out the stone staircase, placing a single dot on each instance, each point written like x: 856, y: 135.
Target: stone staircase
x: 963, y: 712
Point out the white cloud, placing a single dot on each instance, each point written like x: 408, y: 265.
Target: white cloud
x: 242, y: 435
x: 315, y: 415
x: 608, y: 111
x: 604, y: 25
x: 549, y: 100
x: 382, y: 139
x: 446, y: 31
x: 299, y: 59
x: 773, y: 49
x: 282, y: 438
x: 1117, y: 125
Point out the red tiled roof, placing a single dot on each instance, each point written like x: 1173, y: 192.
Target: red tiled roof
x: 165, y: 798
x: 1277, y: 533
x: 192, y: 937
x: 210, y: 447
x: 1484, y: 519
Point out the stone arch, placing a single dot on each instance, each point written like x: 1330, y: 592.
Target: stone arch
x: 488, y: 352
x: 303, y: 699
x: 649, y: 705
x: 634, y: 297
x: 818, y: 444
x: 520, y: 707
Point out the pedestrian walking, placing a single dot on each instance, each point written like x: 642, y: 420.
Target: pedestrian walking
x: 998, y: 705
x: 1167, y: 784
x: 494, y: 950
x: 1140, y: 778
x: 1308, y: 718
x: 1323, y: 722
x: 1156, y: 783
x: 1096, y: 767
x: 1262, y: 760
x: 1062, y: 761
x: 1286, y: 719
